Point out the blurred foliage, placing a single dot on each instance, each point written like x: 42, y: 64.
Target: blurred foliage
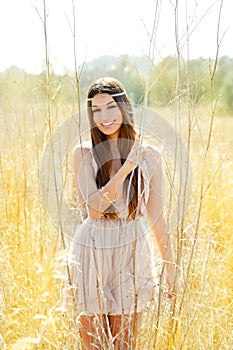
x: 169, y: 80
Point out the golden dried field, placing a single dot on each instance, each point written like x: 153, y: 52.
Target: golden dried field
x: 33, y: 264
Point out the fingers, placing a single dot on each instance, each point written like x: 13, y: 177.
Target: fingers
x: 143, y: 152
x: 169, y: 293
x: 138, y: 138
x: 170, y: 285
x: 135, y: 154
x: 138, y: 144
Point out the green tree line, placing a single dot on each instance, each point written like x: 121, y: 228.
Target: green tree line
x: 166, y: 81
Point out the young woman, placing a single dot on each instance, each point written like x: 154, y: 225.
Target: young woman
x: 119, y: 185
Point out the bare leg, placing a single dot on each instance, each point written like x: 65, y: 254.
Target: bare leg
x: 93, y: 331
x: 125, y: 328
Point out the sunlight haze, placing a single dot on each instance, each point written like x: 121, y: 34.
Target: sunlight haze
x: 105, y: 28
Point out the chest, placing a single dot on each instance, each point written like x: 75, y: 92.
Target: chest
x: 116, y: 165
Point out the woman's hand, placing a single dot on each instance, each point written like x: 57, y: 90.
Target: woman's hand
x: 135, y: 154
x: 170, y: 279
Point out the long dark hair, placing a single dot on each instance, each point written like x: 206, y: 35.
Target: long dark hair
x: 127, y: 133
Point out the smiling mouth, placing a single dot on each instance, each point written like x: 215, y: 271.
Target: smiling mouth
x: 109, y: 123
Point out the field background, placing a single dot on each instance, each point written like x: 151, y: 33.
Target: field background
x: 33, y: 263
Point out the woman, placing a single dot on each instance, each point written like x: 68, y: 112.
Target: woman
x: 119, y: 184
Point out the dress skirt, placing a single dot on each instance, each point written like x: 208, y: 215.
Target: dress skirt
x: 111, y: 266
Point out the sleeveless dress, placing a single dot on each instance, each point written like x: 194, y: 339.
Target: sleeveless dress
x: 111, y: 262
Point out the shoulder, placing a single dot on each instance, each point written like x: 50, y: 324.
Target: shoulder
x: 79, y: 152
x: 153, y: 162
x: 152, y: 154
x: 78, y: 149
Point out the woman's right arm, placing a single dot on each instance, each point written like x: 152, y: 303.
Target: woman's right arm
x: 155, y: 216
x: 97, y: 200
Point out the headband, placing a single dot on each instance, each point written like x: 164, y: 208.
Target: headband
x: 113, y: 95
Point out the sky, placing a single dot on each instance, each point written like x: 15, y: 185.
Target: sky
x: 107, y: 27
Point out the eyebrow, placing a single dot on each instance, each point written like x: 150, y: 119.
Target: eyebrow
x: 94, y: 106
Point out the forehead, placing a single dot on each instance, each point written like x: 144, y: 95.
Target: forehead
x: 102, y: 99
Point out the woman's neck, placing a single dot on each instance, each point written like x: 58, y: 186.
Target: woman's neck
x: 114, y: 146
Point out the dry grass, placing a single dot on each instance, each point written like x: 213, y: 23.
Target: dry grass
x: 33, y: 263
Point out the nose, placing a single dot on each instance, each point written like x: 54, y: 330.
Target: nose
x: 104, y: 115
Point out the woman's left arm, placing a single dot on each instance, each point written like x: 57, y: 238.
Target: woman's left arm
x: 155, y: 216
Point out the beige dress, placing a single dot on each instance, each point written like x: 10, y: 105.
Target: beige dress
x: 111, y: 262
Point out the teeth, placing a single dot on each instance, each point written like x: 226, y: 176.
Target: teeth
x: 107, y: 124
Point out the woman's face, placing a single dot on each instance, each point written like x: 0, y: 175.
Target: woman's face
x: 106, y: 114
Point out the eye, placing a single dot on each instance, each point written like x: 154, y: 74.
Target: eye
x: 111, y: 107
x: 95, y: 110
